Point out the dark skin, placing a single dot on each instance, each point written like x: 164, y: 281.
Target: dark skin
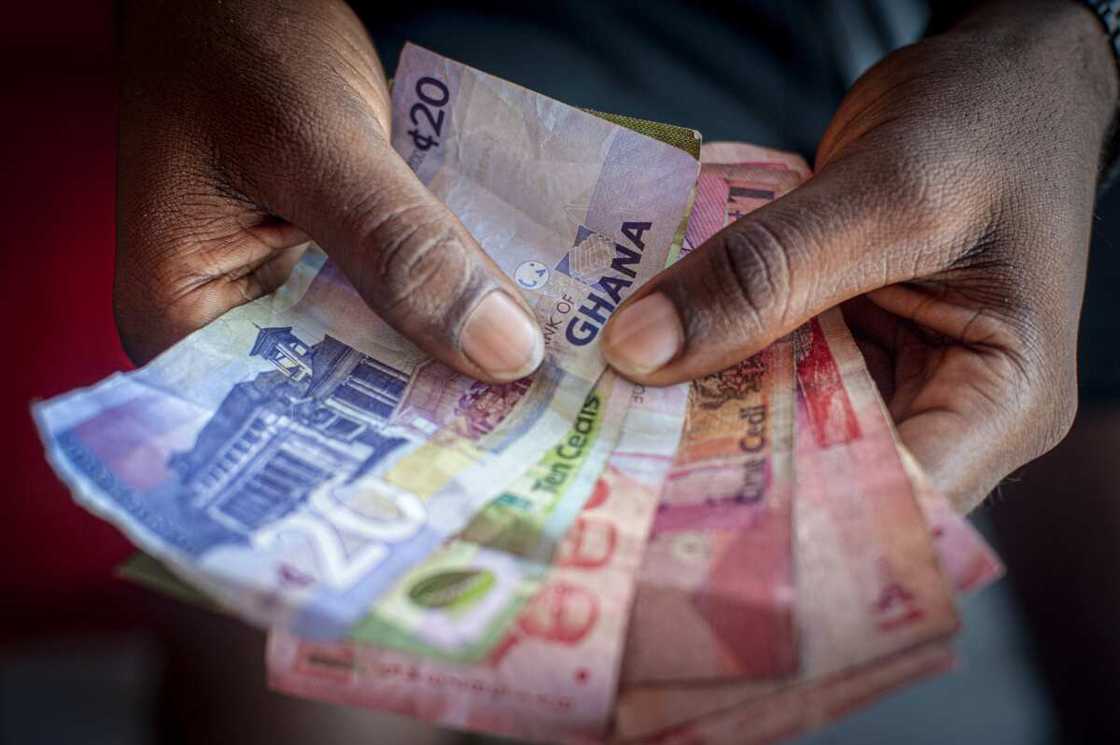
x: 247, y: 129
x: 950, y: 213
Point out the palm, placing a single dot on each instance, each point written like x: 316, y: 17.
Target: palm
x: 935, y: 375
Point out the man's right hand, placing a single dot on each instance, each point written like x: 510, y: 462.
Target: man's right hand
x: 249, y: 128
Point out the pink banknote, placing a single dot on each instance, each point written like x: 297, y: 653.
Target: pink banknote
x: 718, y: 572
x: 964, y: 555
x: 966, y: 558
x: 735, y: 179
x: 869, y: 582
x: 717, y: 577
x: 799, y: 565
x: 744, y: 152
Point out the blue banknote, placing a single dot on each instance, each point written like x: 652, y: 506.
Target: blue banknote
x: 296, y: 455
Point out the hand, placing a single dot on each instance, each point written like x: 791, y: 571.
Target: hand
x: 953, y: 200
x: 247, y: 129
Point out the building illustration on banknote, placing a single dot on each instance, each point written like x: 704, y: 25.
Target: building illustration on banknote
x: 316, y: 417
x: 273, y: 439
x: 327, y: 412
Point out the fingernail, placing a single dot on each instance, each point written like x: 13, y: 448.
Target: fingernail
x: 644, y: 336
x: 500, y: 338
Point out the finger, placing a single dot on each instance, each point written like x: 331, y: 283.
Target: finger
x: 956, y: 453
x: 843, y: 233
x: 935, y: 395
x: 412, y: 260
x: 176, y: 273
x: 970, y: 402
x: 875, y: 333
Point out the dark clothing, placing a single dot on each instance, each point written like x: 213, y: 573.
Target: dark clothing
x: 769, y: 71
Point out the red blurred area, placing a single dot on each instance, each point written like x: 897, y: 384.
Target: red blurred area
x: 58, y: 136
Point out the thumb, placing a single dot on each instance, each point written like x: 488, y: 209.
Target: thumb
x: 764, y: 275
x: 414, y: 263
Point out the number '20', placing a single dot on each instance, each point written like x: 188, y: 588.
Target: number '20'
x: 432, y: 93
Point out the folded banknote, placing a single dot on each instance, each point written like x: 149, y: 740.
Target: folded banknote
x: 566, y: 558
x: 798, y: 565
x: 295, y: 456
x: 554, y: 674
x: 727, y: 501
x: 458, y: 602
x: 869, y: 581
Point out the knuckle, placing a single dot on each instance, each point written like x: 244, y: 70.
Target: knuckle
x: 126, y: 311
x: 1048, y: 371
x: 415, y: 262
x: 755, y: 260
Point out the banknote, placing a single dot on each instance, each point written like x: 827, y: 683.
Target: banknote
x: 735, y: 179
x: 966, y: 558
x: 296, y: 455
x: 869, y: 583
x: 146, y: 571
x: 726, y: 505
x: 519, y: 529
x: 720, y: 151
x: 554, y: 675
x: 718, y: 571
x: 458, y: 602
x: 732, y: 622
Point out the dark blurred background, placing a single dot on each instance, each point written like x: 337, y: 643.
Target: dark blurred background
x: 85, y: 657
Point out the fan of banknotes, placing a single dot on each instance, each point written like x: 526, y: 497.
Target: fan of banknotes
x: 569, y: 557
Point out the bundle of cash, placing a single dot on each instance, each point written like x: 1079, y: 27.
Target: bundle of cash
x: 569, y: 557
